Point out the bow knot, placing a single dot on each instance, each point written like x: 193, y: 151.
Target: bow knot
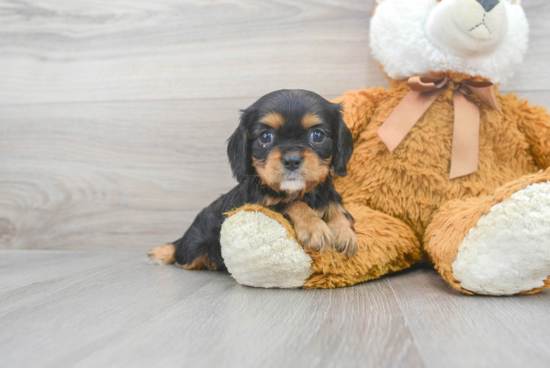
x: 423, y: 93
x: 460, y: 87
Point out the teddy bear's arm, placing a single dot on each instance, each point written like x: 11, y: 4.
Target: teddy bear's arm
x: 534, y: 122
x: 359, y: 107
x: 385, y: 244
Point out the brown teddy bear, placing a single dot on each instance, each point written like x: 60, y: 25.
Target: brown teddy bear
x: 444, y: 168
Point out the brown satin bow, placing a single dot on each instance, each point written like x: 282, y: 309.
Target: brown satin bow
x: 424, y: 91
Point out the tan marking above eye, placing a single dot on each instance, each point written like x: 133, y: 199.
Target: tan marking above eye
x: 273, y: 119
x: 311, y: 119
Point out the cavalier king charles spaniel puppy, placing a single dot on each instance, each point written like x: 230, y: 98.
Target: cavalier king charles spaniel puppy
x: 283, y: 154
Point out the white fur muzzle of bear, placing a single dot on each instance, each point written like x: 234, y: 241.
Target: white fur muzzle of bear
x: 486, y: 38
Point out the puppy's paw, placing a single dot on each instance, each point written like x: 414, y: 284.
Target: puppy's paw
x: 345, y: 240
x: 314, y: 234
x: 162, y: 255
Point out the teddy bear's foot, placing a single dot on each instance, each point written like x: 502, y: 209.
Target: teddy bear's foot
x: 497, y: 244
x: 508, y: 251
x: 260, y: 248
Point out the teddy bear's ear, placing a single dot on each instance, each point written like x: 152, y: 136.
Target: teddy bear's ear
x: 342, y: 140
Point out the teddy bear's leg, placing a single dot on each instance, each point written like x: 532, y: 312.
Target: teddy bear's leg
x: 260, y: 249
x: 497, y: 244
x: 385, y: 244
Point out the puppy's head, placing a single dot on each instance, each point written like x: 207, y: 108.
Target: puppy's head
x: 290, y: 139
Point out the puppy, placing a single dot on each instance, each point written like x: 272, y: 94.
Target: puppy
x: 283, y: 154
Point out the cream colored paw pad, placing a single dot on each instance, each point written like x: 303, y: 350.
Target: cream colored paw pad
x: 508, y: 251
x: 258, y: 252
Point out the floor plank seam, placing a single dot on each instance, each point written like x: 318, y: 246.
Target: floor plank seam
x: 407, y: 325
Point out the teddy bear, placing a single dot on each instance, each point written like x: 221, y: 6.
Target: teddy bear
x: 445, y: 168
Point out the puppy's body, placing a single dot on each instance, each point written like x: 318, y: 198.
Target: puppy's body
x: 283, y: 154
x: 203, y: 236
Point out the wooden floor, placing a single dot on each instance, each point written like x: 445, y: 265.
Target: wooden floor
x: 113, y: 118
x: 112, y: 309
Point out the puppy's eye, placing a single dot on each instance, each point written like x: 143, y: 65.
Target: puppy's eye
x: 317, y: 136
x: 266, y: 137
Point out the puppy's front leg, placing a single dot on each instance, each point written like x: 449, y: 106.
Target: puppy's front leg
x: 340, y: 223
x: 311, y: 231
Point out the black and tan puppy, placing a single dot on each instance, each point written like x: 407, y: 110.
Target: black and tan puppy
x: 283, y: 154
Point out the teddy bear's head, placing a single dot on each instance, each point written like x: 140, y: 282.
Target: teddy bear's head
x: 485, y: 38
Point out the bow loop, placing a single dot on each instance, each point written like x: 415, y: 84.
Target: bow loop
x: 485, y: 91
x: 423, y: 93
x: 424, y: 83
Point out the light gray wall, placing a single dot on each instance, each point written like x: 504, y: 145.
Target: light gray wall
x: 114, y: 114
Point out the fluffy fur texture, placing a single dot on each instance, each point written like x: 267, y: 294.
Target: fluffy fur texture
x: 386, y: 244
x: 400, y: 43
x: 412, y: 183
x: 405, y: 206
x: 506, y: 252
x: 260, y: 251
x: 457, y: 218
x: 400, y: 198
x: 283, y: 154
x: 259, y: 248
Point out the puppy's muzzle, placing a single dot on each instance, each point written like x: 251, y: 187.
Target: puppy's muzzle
x: 292, y: 162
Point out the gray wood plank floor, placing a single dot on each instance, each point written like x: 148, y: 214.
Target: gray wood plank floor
x: 112, y: 309
x: 113, y: 118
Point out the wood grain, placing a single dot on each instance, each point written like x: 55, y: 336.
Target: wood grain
x: 133, y: 50
x: 114, y: 175
x: 158, y: 87
x: 133, y: 314
x: 110, y: 174
x: 454, y: 330
x: 113, y: 118
x: 119, y: 311
x: 67, y: 51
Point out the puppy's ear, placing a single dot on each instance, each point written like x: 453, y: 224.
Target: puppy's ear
x: 343, y: 142
x: 238, y: 149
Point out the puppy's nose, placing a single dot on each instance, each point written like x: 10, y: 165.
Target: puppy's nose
x: 488, y: 5
x: 292, y: 162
